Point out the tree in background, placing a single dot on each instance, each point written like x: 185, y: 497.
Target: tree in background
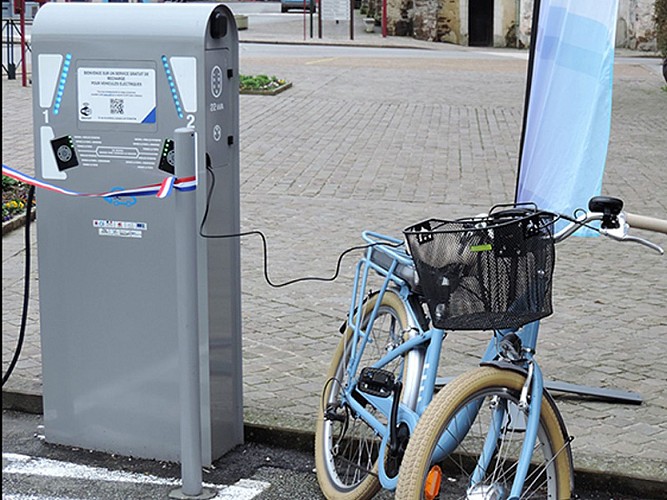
x: 661, y: 32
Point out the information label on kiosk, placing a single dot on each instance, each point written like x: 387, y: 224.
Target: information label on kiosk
x: 116, y: 95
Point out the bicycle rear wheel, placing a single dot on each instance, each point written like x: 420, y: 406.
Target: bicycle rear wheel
x: 481, y: 464
x: 346, y: 448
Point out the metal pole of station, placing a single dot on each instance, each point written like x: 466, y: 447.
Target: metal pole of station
x: 384, y: 18
x: 9, y: 45
x: 319, y: 18
x: 188, y: 325
x: 24, y: 66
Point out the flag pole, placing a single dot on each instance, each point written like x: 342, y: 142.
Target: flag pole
x: 603, y: 393
x: 529, y: 82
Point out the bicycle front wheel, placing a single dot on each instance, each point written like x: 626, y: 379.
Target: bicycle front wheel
x: 346, y: 448
x: 473, y: 432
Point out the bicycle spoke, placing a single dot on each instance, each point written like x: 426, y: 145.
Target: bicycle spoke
x: 462, y: 450
x: 357, y: 467
x: 543, y: 468
x: 506, y: 442
x: 488, y: 453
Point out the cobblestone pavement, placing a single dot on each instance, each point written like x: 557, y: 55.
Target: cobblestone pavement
x: 378, y: 143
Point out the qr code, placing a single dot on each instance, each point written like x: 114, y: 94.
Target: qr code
x: 117, y: 106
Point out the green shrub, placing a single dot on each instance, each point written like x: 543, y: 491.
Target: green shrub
x: 259, y: 82
x: 8, y: 183
x: 660, y: 16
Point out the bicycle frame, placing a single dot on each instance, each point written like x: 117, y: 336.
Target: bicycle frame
x: 425, y: 347
x: 422, y: 349
x: 433, y: 340
x: 420, y: 346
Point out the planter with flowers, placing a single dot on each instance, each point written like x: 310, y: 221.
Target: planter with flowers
x: 14, y: 201
x: 262, y: 85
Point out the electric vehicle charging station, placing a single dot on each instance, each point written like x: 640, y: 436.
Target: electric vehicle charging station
x: 111, y: 83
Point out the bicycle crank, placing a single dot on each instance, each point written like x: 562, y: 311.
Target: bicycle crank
x: 381, y: 383
x: 397, y: 447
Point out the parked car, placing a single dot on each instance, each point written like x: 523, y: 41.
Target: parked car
x: 286, y: 5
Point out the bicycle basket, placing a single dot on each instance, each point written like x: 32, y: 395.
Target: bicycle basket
x: 485, y: 273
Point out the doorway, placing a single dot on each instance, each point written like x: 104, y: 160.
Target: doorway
x: 480, y: 23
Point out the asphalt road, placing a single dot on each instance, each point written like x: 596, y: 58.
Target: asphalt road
x: 38, y: 470
x: 35, y: 470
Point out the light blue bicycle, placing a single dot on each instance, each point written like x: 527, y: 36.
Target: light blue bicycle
x: 496, y: 425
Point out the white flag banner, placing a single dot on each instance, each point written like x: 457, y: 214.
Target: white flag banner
x: 569, y: 107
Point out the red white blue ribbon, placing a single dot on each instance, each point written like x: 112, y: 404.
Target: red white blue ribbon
x: 161, y: 190
x: 166, y: 187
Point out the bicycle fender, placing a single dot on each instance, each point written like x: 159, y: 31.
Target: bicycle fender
x: 343, y: 328
x: 505, y: 365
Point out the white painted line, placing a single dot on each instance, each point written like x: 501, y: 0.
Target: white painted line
x: 245, y: 489
x: 15, y: 457
x: 21, y: 464
x: 515, y: 55
x: 31, y: 497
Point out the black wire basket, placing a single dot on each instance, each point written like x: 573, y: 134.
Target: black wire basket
x: 485, y: 273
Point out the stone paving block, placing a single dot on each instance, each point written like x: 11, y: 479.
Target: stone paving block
x: 321, y: 163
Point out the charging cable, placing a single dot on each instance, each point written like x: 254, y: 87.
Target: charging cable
x: 265, y: 256
x: 26, y: 287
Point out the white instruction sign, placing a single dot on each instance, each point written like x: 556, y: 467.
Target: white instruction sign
x: 116, y: 95
x: 335, y: 10
x: 120, y: 229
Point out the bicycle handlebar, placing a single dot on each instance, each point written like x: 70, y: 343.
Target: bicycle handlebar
x: 625, y: 222
x: 392, y: 246
x: 647, y: 223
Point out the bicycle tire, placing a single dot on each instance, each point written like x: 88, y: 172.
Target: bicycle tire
x: 332, y: 484
x: 454, y: 399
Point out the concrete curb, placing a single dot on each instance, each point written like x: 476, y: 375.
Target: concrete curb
x: 338, y: 43
x: 26, y: 403
x: 16, y: 222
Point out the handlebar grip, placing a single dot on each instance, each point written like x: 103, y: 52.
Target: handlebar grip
x: 648, y: 223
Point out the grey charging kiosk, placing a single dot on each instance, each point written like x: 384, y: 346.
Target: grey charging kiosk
x: 111, y: 84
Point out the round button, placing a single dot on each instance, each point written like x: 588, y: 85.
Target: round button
x: 216, y: 81
x: 64, y: 153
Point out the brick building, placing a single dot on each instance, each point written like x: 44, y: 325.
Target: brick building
x: 497, y: 23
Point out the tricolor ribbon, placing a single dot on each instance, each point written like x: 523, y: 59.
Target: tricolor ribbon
x: 166, y: 187
x: 161, y: 190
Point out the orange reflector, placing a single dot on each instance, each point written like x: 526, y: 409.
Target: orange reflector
x: 432, y: 484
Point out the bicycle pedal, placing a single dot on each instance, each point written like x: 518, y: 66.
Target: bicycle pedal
x: 376, y: 382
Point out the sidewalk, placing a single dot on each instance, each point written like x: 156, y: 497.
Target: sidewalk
x: 298, y: 31
x: 362, y: 142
